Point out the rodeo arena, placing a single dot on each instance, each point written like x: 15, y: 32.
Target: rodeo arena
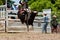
x: 22, y: 19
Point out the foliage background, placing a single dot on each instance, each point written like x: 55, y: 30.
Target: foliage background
x: 39, y: 5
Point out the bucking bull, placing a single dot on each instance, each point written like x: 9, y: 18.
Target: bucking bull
x: 27, y: 17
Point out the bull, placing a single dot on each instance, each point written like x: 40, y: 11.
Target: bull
x: 27, y: 17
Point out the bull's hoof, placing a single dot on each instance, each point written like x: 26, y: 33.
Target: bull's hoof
x: 31, y: 28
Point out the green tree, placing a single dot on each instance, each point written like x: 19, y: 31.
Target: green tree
x: 1, y: 2
x: 44, y: 4
x: 39, y: 5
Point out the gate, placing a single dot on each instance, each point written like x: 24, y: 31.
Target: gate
x: 2, y: 18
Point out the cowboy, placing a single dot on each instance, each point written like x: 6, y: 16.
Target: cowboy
x: 44, y: 29
x: 54, y: 24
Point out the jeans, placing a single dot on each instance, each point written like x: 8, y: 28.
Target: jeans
x: 44, y: 29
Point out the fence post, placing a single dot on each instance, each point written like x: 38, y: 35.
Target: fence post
x: 6, y: 18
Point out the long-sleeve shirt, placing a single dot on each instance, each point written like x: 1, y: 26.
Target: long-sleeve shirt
x: 46, y: 19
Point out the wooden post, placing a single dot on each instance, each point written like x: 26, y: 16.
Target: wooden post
x: 6, y: 18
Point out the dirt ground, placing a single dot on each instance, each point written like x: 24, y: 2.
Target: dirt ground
x: 29, y: 36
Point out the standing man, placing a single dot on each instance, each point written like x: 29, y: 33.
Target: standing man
x: 54, y: 24
x: 44, y: 29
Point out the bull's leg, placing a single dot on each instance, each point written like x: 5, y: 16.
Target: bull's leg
x: 27, y: 27
x: 32, y: 26
x: 26, y: 22
x: 22, y: 21
x: 22, y: 18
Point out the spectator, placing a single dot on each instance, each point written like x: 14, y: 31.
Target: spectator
x: 54, y: 24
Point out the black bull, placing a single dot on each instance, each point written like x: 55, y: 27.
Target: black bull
x: 24, y: 17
